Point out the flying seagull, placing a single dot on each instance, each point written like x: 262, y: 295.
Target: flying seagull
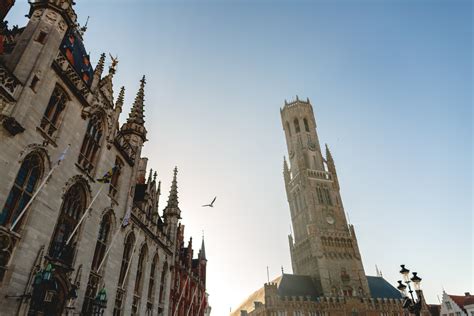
x: 212, y: 203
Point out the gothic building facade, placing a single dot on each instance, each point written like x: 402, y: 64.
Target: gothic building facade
x: 329, y: 277
x: 80, y: 227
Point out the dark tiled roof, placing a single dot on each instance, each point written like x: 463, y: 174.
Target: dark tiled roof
x: 380, y: 288
x: 80, y: 59
x: 299, y: 285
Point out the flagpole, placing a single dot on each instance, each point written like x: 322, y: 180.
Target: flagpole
x: 110, y: 247
x: 84, y: 215
x: 192, y: 298
x: 39, y: 188
x: 180, y: 296
x: 128, y: 266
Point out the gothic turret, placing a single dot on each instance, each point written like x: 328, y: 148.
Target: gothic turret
x: 135, y: 122
x: 202, y: 251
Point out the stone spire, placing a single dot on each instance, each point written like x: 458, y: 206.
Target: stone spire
x: 135, y: 122
x: 100, y: 66
x: 173, y: 197
x: 202, y: 251
x: 136, y: 114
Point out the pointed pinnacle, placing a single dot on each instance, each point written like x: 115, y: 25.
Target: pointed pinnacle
x: 100, y: 65
x: 328, y: 153
x: 120, y: 99
x: 173, y: 197
x: 150, y: 175
x: 136, y: 114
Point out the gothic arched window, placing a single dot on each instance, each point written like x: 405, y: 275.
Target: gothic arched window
x: 163, y: 282
x: 91, y: 143
x: 306, y: 126
x: 25, y: 183
x: 74, y: 204
x: 51, y: 117
x: 151, y: 282
x: 297, y: 125
x: 139, y: 279
x: 94, y: 277
x: 127, y: 255
x: 102, y: 241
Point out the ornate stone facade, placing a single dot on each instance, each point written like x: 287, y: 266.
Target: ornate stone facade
x: 92, y: 236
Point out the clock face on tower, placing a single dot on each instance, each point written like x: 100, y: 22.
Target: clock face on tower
x: 330, y: 219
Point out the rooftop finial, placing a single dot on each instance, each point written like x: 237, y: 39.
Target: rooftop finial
x: 154, y: 176
x: 297, y: 99
x: 82, y: 30
x: 328, y: 153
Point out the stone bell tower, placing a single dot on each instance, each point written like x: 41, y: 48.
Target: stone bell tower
x: 324, y: 245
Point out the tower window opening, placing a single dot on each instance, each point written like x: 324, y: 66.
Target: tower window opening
x: 41, y: 37
x: 288, y: 128
x: 306, y: 126
x: 297, y: 125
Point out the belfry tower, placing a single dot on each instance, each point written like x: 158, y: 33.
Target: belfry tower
x: 324, y: 245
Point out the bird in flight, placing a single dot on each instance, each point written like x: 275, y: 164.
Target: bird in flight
x: 211, y: 204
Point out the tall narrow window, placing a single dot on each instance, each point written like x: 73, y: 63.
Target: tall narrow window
x: 139, y: 280
x: 74, y: 204
x: 306, y: 126
x: 25, y: 183
x: 297, y: 125
x: 51, y: 117
x: 127, y: 255
x: 94, y: 277
x: 288, y: 128
x: 91, y: 144
x: 151, y: 284
x: 114, y: 182
x: 163, y: 284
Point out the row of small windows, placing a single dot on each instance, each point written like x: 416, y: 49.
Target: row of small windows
x: 296, y: 124
x: 324, y: 197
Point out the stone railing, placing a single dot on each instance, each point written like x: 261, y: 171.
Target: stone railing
x: 318, y: 174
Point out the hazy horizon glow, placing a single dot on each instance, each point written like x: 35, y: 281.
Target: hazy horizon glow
x: 391, y: 87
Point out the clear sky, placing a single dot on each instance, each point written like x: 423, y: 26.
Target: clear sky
x: 391, y: 85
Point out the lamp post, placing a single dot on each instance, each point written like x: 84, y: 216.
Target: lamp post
x: 412, y: 305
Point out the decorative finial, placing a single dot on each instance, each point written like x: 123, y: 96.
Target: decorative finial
x: 282, y: 271
x: 154, y: 176
x: 307, y: 100
x: 297, y: 99
x: 150, y: 175
x: 113, y: 66
x: 82, y: 30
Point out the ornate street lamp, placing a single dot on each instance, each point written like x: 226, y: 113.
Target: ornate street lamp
x: 412, y: 305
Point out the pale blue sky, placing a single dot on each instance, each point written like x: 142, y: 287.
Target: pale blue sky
x: 391, y: 86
